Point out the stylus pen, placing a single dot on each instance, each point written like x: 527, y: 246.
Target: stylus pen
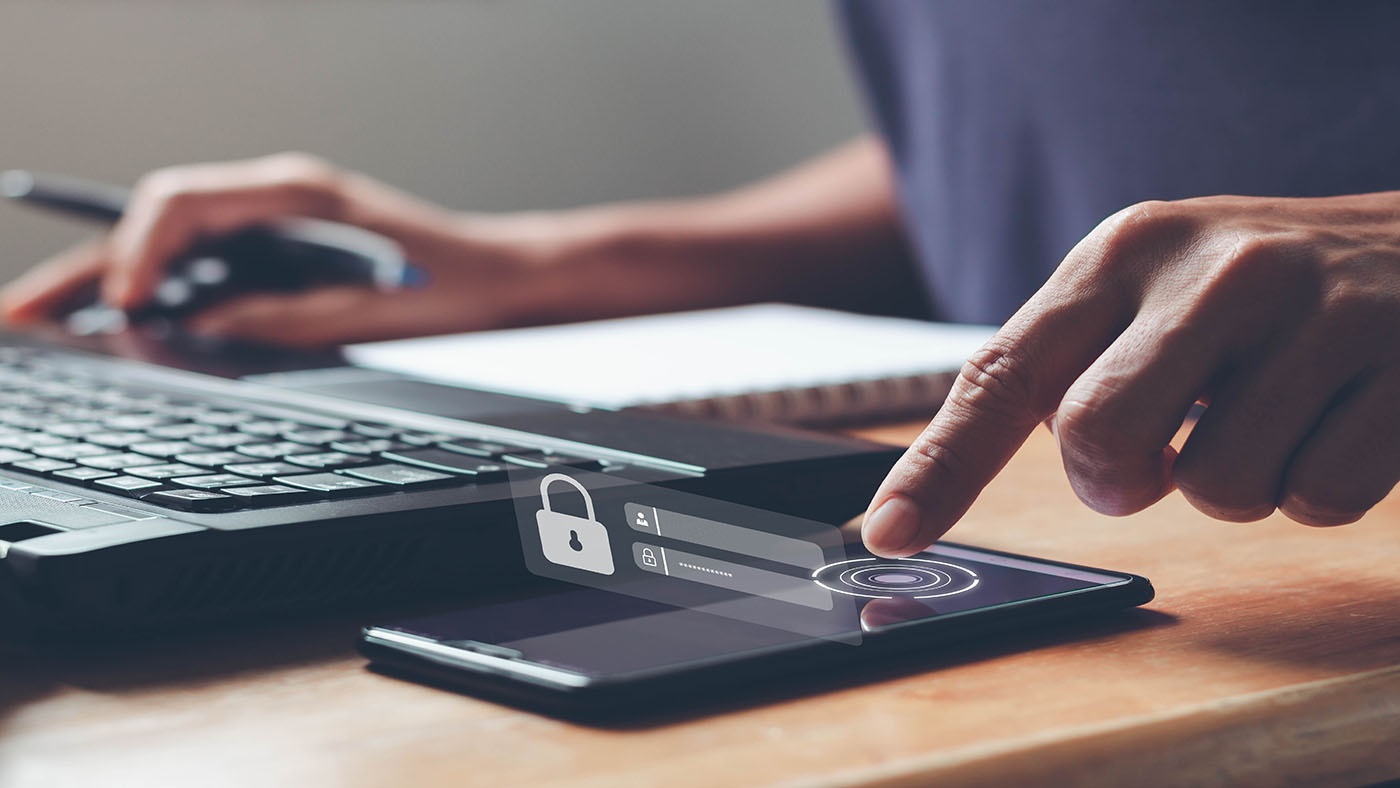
x: 73, y: 196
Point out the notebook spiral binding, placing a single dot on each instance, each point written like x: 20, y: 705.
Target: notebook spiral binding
x: 825, y: 405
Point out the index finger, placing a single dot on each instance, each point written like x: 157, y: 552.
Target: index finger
x: 47, y: 288
x: 172, y: 209
x: 1014, y: 382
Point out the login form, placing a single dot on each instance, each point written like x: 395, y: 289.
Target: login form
x: 604, y: 531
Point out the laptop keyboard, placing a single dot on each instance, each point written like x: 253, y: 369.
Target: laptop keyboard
x: 177, y: 451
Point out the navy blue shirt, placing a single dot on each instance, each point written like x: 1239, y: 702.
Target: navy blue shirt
x: 1017, y: 126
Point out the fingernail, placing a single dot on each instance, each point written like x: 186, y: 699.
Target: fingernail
x: 892, y: 527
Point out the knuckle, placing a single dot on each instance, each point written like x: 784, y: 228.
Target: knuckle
x: 1359, y: 292
x: 162, y: 187
x: 1221, y: 497
x: 1220, y: 494
x: 929, y: 455
x: 1144, y: 214
x: 1265, y: 257
x: 1144, y: 224
x: 1278, y: 267
x: 1092, y: 428
x: 301, y: 169
x: 995, y: 382
x: 1112, y: 256
x: 1316, y: 500
x: 307, y: 178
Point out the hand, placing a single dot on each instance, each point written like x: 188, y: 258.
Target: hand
x: 1283, y: 315
x: 477, y: 266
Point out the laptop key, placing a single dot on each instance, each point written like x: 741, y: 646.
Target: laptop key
x: 28, y: 440
x: 450, y: 462
x: 181, y: 431
x: 115, y: 462
x: 193, y: 500
x: 69, y: 451
x: 13, y: 455
x: 271, y: 451
x: 329, y: 459
x: 164, y: 448
x: 141, y: 421
x: 425, y: 438
x: 402, y: 475
x: 127, y: 483
x: 374, y: 429
x: 315, y: 437
x: 269, y: 428
x: 117, y: 440
x: 81, y: 474
x: 329, y: 483
x: 223, y: 440
x: 372, y: 446
x: 546, y: 460
x: 210, y: 459
x: 488, y: 449
x: 270, y: 494
x: 223, y: 418
x: 75, y: 429
x: 213, y: 481
x: 165, y: 471
x: 262, y: 468
x: 42, y: 465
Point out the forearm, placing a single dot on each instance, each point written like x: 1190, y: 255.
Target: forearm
x: 826, y: 232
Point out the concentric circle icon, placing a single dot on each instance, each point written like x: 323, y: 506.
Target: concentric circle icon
x: 877, y: 578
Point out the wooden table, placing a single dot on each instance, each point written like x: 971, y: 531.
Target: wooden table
x: 1271, y: 656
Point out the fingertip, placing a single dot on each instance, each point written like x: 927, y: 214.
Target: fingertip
x: 12, y: 313
x: 893, y: 529
x: 22, y: 304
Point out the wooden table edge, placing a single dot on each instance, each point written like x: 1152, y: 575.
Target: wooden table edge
x: 1304, y: 730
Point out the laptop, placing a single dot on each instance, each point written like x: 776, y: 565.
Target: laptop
x: 151, y: 483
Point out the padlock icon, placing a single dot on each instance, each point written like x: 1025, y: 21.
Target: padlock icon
x: 570, y: 540
x: 648, y: 556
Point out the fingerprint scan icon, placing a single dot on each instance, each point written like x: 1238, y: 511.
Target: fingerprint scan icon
x: 875, y: 578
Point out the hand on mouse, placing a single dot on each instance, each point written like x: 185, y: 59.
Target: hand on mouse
x: 825, y: 232
x: 476, y: 265
x: 1283, y: 315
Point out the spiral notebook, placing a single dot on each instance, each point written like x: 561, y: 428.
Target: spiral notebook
x: 770, y: 362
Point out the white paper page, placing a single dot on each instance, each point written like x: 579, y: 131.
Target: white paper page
x: 689, y: 355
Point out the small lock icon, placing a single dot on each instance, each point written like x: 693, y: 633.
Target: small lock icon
x: 648, y: 556
x: 570, y: 540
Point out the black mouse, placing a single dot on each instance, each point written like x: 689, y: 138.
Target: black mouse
x: 287, y: 255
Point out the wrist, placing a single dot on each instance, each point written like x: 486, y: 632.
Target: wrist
x: 584, y: 263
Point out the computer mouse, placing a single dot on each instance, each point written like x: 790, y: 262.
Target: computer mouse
x: 286, y: 256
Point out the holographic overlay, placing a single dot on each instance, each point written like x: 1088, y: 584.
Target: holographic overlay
x: 602, y: 530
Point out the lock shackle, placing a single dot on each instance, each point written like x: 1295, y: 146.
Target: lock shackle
x: 569, y: 480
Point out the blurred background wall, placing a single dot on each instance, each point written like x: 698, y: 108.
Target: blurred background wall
x: 483, y: 104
